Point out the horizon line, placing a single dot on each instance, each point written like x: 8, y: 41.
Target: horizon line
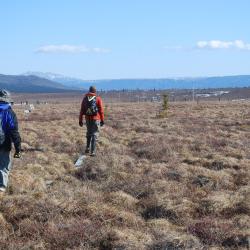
x: 128, y: 78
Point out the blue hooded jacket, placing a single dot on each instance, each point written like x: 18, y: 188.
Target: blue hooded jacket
x: 10, y: 127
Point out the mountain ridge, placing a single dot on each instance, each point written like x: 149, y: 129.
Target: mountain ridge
x: 152, y: 83
x: 30, y: 84
x: 35, y: 84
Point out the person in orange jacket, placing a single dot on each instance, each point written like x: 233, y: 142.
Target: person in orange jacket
x: 92, y: 108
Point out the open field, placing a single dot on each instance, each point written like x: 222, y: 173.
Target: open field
x: 179, y: 182
x: 175, y: 95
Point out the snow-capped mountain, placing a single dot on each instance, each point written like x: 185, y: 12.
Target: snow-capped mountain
x: 70, y: 82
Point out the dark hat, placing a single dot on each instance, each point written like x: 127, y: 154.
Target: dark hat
x: 92, y: 89
x: 5, y: 96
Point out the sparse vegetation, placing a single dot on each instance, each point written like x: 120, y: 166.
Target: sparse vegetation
x: 177, y: 182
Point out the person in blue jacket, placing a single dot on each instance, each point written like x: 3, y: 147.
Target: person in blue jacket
x: 8, y: 134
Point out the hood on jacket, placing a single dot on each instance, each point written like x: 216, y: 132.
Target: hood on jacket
x: 91, y: 94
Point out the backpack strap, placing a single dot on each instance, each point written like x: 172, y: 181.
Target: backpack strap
x: 90, y: 98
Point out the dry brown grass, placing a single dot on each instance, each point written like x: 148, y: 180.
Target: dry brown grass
x: 179, y: 182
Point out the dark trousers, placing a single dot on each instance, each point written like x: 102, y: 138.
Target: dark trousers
x: 92, y: 133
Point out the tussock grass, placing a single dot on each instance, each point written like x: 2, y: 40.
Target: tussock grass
x: 176, y: 182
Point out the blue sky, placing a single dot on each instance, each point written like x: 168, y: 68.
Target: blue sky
x: 99, y: 39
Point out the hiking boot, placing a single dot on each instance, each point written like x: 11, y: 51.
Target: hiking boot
x: 86, y: 150
x: 92, y: 154
x: 2, y: 189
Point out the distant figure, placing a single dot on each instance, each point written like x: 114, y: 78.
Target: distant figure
x: 8, y: 134
x: 92, y: 108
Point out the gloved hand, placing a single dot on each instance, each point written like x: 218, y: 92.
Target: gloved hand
x: 101, y: 123
x: 17, y: 155
x: 80, y: 123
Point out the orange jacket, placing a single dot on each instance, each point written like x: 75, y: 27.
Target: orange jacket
x: 99, y: 116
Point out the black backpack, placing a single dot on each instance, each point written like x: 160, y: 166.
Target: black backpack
x: 90, y: 105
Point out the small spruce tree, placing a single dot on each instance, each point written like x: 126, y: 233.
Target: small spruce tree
x: 165, y: 102
x: 164, y: 107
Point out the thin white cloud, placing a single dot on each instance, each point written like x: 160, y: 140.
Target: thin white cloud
x: 71, y: 49
x: 218, y: 44
x: 100, y: 50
